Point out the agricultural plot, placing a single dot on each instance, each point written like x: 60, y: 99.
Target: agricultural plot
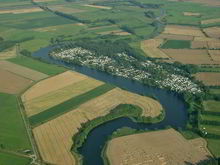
x: 175, y: 37
x: 9, y: 53
x: 20, y: 11
x: 99, y: 7
x: 115, y: 32
x: 190, y: 56
x: 199, y: 44
x: 55, y: 97
x: 13, y: 135
x: 215, y: 54
x: 214, y: 44
x: 9, y: 159
x: 155, y: 148
x: 151, y: 48
x: 176, y: 44
x: 191, y: 14
x: 204, y: 2
x: 210, y: 21
x: 65, y: 9
x: 208, y: 78
x: 37, y: 65
x: 12, y: 83
x: 213, y: 32
x: 22, y: 71
x: 183, y: 30
x: 54, y: 138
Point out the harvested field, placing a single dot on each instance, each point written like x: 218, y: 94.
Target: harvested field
x: 52, y: 84
x: 56, y: 97
x: 199, y: 44
x: 65, y: 9
x: 12, y: 83
x: 214, y: 44
x: 190, y: 56
x: 215, y: 54
x: 191, y: 14
x: 210, y: 21
x: 209, y: 78
x: 99, y: 7
x: 42, y: 0
x: 101, y: 27
x: 213, y: 32
x: 205, y: 39
x: 205, y: 2
x: 54, y: 138
x: 22, y: 71
x: 115, y: 32
x: 183, y: 30
x: 156, y: 148
x: 175, y: 37
x: 150, y: 47
x: 20, y: 11
x: 10, y: 53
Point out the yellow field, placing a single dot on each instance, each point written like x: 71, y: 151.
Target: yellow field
x: 54, y: 138
x: 56, y: 97
x: 20, y: 11
x: 167, y: 147
x: 209, y: 78
x: 214, y: 44
x: 150, y: 47
x: 174, y: 37
x: 210, y: 21
x: 115, y: 32
x: 205, y: 39
x: 183, y: 30
x: 22, y: 71
x: 213, y: 32
x: 65, y: 9
x: 215, y: 54
x: 9, y: 53
x: 191, y: 14
x: 199, y: 44
x: 99, y: 7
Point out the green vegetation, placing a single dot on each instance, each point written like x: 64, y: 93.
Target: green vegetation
x: 9, y: 159
x: 209, y: 69
x: 69, y: 105
x: 176, y: 44
x: 13, y: 135
x: 38, y: 65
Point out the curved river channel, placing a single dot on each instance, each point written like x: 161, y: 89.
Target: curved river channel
x: 175, y: 109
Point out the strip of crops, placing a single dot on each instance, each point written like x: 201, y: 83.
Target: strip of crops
x: 176, y: 44
x: 69, y: 105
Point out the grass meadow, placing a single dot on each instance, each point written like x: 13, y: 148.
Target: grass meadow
x: 9, y: 159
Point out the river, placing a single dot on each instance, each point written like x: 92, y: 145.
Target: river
x: 174, y: 106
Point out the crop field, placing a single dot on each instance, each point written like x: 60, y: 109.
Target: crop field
x: 183, y: 30
x: 176, y: 44
x: 13, y: 134
x: 19, y: 11
x: 204, y: 2
x: 175, y: 37
x: 52, y: 98
x: 12, y: 83
x: 215, y: 91
x: 211, y: 105
x: 9, y: 159
x: 213, y: 32
x: 205, y: 39
x: 214, y: 44
x: 215, y: 54
x: 99, y: 7
x: 210, y: 21
x: 151, y: 48
x: 115, y: 32
x: 209, y: 79
x: 9, y: 53
x: 61, y: 129
x: 37, y: 65
x: 65, y: 9
x: 199, y: 44
x: 22, y: 71
x: 191, y: 14
x: 190, y: 56
x: 156, y: 148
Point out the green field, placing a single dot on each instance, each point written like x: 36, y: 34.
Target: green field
x: 212, y: 105
x: 215, y: 91
x: 9, y: 159
x: 69, y: 105
x: 37, y: 65
x: 176, y: 44
x: 209, y: 69
x: 13, y: 135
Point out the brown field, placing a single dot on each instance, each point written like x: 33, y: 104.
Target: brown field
x: 54, y: 138
x: 215, y: 54
x: 42, y: 0
x: 99, y: 7
x: 10, y: 53
x: 52, y: 84
x: 210, y: 21
x: 115, y: 32
x: 175, y: 37
x: 191, y: 14
x: 190, y: 56
x: 213, y: 32
x: 20, y: 11
x: 209, y: 78
x: 166, y: 147
x: 12, y: 83
x: 22, y: 71
x: 150, y: 47
x: 56, y: 97
x: 205, y: 39
x: 101, y: 27
x: 65, y: 9
x: 214, y: 44
x: 199, y: 44
x: 183, y: 30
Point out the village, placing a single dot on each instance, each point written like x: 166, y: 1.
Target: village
x: 127, y: 66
